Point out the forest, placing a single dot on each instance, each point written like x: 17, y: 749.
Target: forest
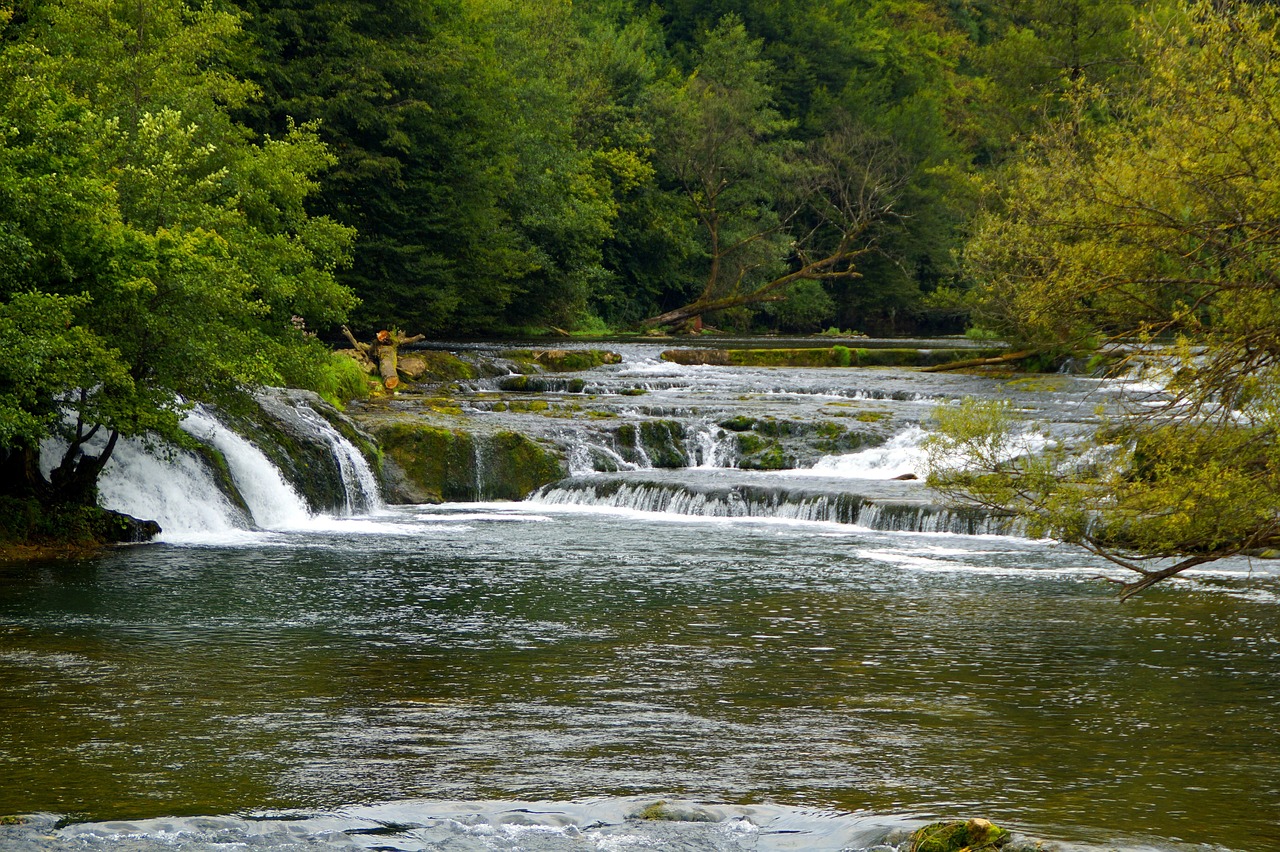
x: 598, y: 164
x: 195, y: 195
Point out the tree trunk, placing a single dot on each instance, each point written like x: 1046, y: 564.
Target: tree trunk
x: 1006, y: 358
x: 383, y: 352
x: 20, y: 473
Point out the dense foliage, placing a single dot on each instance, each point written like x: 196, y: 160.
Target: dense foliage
x: 607, y: 162
x: 152, y: 250
x: 188, y: 188
x: 1147, y: 216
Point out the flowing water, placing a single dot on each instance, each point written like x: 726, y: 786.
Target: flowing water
x: 539, y: 675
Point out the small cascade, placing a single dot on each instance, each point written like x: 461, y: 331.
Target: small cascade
x: 642, y: 456
x: 185, y: 494
x: 360, y: 493
x: 708, y: 445
x: 479, y: 464
x: 273, y: 502
x: 911, y: 511
x: 903, y: 455
x: 359, y: 485
x: 585, y: 455
x: 176, y: 489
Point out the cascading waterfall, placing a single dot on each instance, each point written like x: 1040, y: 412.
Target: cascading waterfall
x: 272, y: 501
x: 711, y: 446
x: 359, y: 484
x: 360, y: 487
x: 901, y: 455
x: 177, y: 488
x: 585, y: 455
x: 173, y: 488
x: 909, y: 512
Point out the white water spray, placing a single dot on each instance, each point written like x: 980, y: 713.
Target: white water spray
x: 177, y: 489
x: 274, y: 503
x: 901, y: 455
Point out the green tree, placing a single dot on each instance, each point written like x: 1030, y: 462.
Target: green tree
x: 143, y: 226
x: 1029, y: 56
x: 1149, y: 216
x: 770, y: 211
x: 483, y: 148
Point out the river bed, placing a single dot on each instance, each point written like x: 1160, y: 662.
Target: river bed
x: 536, y: 675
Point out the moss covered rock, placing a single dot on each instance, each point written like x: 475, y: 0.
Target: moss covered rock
x: 27, y: 522
x: 425, y: 365
x: 976, y: 835
x: 512, y: 466
x: 664, y: 811
x: 541, y: 384
x: 833, y: 356
x: 434, y: 464
x: 657, y: 443
x: 564, y: 360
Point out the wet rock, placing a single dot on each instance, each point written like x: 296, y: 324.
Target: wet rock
x: 119, y: 528
x: 675, y: 812
x: 425, y: 463
x: 564, y: 360
x: 292, y: 428
x: 975, y: 835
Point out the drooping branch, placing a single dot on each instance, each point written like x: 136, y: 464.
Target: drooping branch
x: 847, y: 184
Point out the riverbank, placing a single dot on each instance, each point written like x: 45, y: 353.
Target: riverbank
x: 31, y: 531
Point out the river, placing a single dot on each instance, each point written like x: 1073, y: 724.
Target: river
x: 529, y: 675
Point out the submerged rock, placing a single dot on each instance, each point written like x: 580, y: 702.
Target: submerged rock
x: 975, y: 835
x: 675, y: 812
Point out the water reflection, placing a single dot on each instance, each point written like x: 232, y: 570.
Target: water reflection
x: 508, y: 652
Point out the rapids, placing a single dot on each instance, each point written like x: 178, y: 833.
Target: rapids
x: 813, y: 659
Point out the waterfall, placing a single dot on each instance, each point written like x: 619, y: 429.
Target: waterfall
x: 174, y: 488
x: 180, y: 490
x: 911, y: 512
x: 708, y: 445
x: 901, y: 455
x: 585, y: 456
x: 360, y: 486
x: 272, y: 501
x: 293, y: 410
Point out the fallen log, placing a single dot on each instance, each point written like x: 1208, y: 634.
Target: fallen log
x: 383, y: 352
x: 1006, y: 358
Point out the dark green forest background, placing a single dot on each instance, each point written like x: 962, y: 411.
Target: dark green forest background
x: 515, y: 165
x: 518, y: 164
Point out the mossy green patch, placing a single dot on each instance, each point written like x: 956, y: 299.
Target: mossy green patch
x: 512, y: 466
x: 976, y: 835
x: 1037, y: 383
x: 741, y: 423
x: 834, y: 356
x: 27, y: 522
x: 541, y: 384
x: 564, y: 360
x: 439, y: 463
x: 450, y: 465
x: 445, y: 366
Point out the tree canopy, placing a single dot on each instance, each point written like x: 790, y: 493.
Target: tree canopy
x: 1147, y: 215
x: 154, y: 253
x: 189, y: 189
